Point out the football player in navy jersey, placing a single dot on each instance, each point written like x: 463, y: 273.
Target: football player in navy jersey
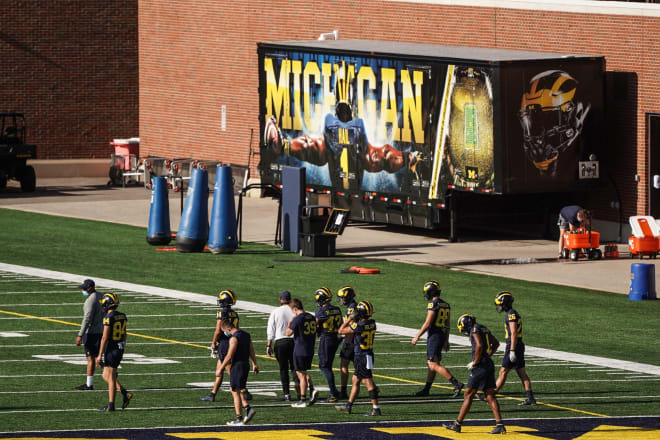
x: 482, y: 372
x: 514, y: 354
x: 328, y: 320
x: 303, y: 329
x: 437, y: 326
x: 239, y: 354
x: 220, y: 342
x: 363, y: 328
x: 346, y: 298
x: 111, y: 350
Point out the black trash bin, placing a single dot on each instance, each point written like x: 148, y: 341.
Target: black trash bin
x: 317, y: 245
x: 314, y: 218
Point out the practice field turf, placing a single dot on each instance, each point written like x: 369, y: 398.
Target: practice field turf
x: 167, y: 366
x: 167, y: 363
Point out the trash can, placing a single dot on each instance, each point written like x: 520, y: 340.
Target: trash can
x: 642, y: 282
x: 317, y: 245
x: 314, y: 218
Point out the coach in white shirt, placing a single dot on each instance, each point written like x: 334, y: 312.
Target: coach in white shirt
x: 283, y: 344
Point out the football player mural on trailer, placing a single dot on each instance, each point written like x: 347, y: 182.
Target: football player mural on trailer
x: 551, y: 119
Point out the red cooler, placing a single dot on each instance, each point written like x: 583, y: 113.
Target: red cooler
x: 126, y: 148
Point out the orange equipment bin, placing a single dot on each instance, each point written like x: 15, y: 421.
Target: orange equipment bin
x: 582, y: 243
x: 646, y: 236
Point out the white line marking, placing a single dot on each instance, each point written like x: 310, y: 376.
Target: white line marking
x: 385, y: 328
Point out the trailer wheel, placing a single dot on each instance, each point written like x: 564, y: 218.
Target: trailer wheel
x: 574, y: 255
x: 28, y: 179
x: 599, y: 254
x: 3, y: 180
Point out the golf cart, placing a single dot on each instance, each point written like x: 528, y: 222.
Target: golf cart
x: 14, y: 152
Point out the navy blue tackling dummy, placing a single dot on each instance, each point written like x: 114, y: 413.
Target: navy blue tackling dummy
x: 514, y: 354
x: 363, y: 328
x: 239, y: 354
x: 328, y: 320
x: 436, y: 325
x: 111, y: 350
x: 303, y: 328
x: 482, y: 372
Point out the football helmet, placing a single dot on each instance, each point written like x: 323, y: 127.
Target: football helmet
x: 109, y: 301
x: 365, y: 309
x: 551, y: 119
x: 346, y: 294
x: 503, y: 301
x: 465, y: 323
x: 432, y: 289
x: 226, y: 298
x: 322, y: 295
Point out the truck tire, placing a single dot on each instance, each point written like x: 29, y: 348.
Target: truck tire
x: 28, y: 179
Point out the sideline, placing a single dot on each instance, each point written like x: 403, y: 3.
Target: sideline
x: 385, y: 328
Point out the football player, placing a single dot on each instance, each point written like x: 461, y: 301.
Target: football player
x: 303, y: 329
x: 328, y: 320
x: 346, y: 298
x: 362, y: 326
x: 482, y: 371
x: 220, y: 342
x: 239, y: 354
x: 437, y: 326
x: 111, y: 350
x: 514, y: 354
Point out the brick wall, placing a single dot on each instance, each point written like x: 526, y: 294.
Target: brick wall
x: 197, y: 55
x: 72, y: 68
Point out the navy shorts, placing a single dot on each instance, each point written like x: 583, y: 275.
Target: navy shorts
x: 302, y: 363
x: 113, y: 358
x: 434, y: 345
x: 364, y: 364
x: 92, y: 343
x: 238, y: 375
x: 347, y: 352
x: 328, y: 345
x: 482, y: 377
x: 520, y: 355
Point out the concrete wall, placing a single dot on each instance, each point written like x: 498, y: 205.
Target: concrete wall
x: 71, y: 66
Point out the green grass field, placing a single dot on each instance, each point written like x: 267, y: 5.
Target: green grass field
x: 168, y: 366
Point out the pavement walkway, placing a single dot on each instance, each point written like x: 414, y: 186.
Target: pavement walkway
x: 486, y: 253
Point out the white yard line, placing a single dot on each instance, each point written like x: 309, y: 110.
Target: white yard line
x: 262, y: 308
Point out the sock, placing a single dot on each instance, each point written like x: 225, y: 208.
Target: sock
x: 428, y: 385
x: 530, y: 394
x: 349, y: 404
x: 111, y: 405
x: 454, y: 381
x: 344, y: 389
x: 457, y: 422
x: 90, y: 381
x: 376, y: 406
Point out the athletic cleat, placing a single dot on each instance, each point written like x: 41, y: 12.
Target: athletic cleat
x: 127, y: 400
x: 453, y: 426
x: 346, y: 409
x: 84, y: 387
x: 314, y: 396
x: 421, y: 393
x: 107, y: 408
x: 457, y: 389
x: 235, y: 422
x: 331, y: 399
x: 527, y: 402
x: 300, y: 404
x: 374, y: 412
x: 499, y: 429
x: 248, y: 416
x: 209, y: 398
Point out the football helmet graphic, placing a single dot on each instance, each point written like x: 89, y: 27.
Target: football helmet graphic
x: 109, y: 301
x: 226, y: 298
x: 465, y: 323
x: 550, y: 117
x: 322, y: 295
x: 344, y: 76
x: 432, y: 289
x: 365, y: 309
x: 346, y: 295
x: 503, y: 301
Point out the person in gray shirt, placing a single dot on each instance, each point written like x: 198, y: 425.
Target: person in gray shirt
x: 91, y: 329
